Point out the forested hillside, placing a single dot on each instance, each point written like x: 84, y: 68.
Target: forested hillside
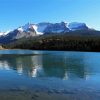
x: 73, y: 42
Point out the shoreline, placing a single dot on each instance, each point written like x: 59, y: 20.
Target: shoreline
x: 53, y: 50
x: 40, y: 95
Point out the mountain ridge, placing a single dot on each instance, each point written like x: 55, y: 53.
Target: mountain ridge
x: 43, y: 28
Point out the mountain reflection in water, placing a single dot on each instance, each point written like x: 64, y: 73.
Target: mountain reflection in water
x: 63, y: 66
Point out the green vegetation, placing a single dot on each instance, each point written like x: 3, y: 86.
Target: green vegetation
x: 58, y: 42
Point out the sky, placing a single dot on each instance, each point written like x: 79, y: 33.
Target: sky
x: 14, y: 13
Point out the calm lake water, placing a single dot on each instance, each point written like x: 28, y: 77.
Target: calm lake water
x: 44, y: 70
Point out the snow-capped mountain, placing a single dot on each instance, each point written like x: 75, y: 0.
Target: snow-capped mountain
x: 20, y: 33
x: 46, y: 27
x: 38, y: 28
x: 30, y: 30
x: 26, y: 27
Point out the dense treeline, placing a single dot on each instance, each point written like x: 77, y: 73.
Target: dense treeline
x: 58, y: 42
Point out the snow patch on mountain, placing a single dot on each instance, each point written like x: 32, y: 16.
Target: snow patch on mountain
x: 4, y: 33
x: 36, y: 29
x: 42, y: 26
x: 1, y: 33
x: 20, y: 29
x: 77, y: 26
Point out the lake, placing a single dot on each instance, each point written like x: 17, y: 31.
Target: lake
x: 69, y: 74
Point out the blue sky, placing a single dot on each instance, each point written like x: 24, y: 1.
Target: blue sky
x: 14, y: 13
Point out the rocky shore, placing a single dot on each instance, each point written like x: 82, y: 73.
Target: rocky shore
x: 21, y: 94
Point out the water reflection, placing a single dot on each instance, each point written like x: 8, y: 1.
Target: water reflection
x: 22, y: 64
x: 64, y: 65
